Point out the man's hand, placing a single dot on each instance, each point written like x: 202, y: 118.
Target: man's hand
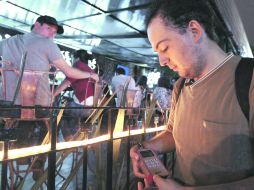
x: 147, y: 187
x: 161, y: 184
x: 135, y: 158
x: 166, y: 184
x: 95, y: 77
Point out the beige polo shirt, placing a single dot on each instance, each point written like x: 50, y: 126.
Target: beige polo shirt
x: 213, y: 140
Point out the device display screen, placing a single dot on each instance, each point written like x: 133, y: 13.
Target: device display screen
x: 146, y: 153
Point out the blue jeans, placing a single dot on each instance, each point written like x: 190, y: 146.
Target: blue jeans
x: 70, y: 122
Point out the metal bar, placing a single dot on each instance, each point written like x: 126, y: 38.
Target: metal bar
x: 84, y: 185
x: 51, y: 170
x: 132, y: 8
x: 136, y: 7
x: 40, y: 149
x: 82, y: 17
x: 126, y: 24
x: 29, y: 10
x: 4, y: 166
x: 128, y: 161
x: 109, y: 154
x: 115, y: 18
x: 105, y: 12
x: 52, y: 155
x: 115, y: 36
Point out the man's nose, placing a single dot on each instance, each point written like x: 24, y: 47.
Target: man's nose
x: 163, y: 60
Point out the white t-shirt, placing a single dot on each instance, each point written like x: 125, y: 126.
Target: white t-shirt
x: 117, y: 84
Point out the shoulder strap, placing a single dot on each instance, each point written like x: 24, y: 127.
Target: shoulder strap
x: 243, y: 76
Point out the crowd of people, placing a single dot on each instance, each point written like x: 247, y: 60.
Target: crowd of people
x: 42, y: 54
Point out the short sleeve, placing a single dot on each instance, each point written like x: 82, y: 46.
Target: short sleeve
x: 54, y: 52
x: 132, y: 84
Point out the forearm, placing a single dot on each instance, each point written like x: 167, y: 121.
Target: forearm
x: 62, y: 87
x: 161, y: 143
x: 245, y: 184
x: 71, y: 71
x: 76, y: 73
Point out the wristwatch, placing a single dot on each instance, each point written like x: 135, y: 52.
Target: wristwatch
x: 140, y: 145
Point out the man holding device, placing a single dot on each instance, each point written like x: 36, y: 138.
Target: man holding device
x: 212, y: 137
x: 150, y: 165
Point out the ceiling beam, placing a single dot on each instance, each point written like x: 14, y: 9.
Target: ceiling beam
x: 108, y: 13
x: 121, y: 36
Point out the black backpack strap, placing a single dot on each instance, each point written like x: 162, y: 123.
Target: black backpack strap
x: 243, y: 76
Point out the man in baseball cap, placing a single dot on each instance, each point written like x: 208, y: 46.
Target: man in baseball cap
x: 50, y: 21
x: 42, y: 52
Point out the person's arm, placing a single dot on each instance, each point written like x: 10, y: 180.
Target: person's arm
x: 170, y: 184
x: 246, y: 184
x: 62, y: 87
x: 73, y: 72
x: 163, y: 142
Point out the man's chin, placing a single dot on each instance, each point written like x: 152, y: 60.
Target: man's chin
x: 183, y: 75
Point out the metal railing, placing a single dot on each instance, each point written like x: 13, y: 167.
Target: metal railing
x: 139, y: 125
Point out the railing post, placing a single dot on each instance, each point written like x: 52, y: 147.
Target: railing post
x: 109, y: 152
x: 5, y: 137
x: 128, y: 158
x: 52, y: 154
x: 84, y: 182
x: 4, y: 165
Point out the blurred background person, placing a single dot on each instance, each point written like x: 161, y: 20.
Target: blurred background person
x: 83, y: 95
x: 83, y: 88
x: 162, y: 92
x: 141, y: 94
x: 106, y: 93
x: 119, y: 81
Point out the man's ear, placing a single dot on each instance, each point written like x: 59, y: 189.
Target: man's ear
x: 196, y: 30
x: 37, y: 24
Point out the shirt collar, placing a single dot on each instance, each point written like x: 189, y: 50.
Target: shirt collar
x: 192, y: 83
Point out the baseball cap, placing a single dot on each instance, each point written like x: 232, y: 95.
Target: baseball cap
x: 51, y: 21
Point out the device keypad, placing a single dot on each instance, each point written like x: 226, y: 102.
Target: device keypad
x: 152, y: 163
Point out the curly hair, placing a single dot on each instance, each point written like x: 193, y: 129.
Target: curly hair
x: 178, y: 14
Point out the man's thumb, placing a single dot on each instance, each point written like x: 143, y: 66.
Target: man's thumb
x: 157, y: 180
